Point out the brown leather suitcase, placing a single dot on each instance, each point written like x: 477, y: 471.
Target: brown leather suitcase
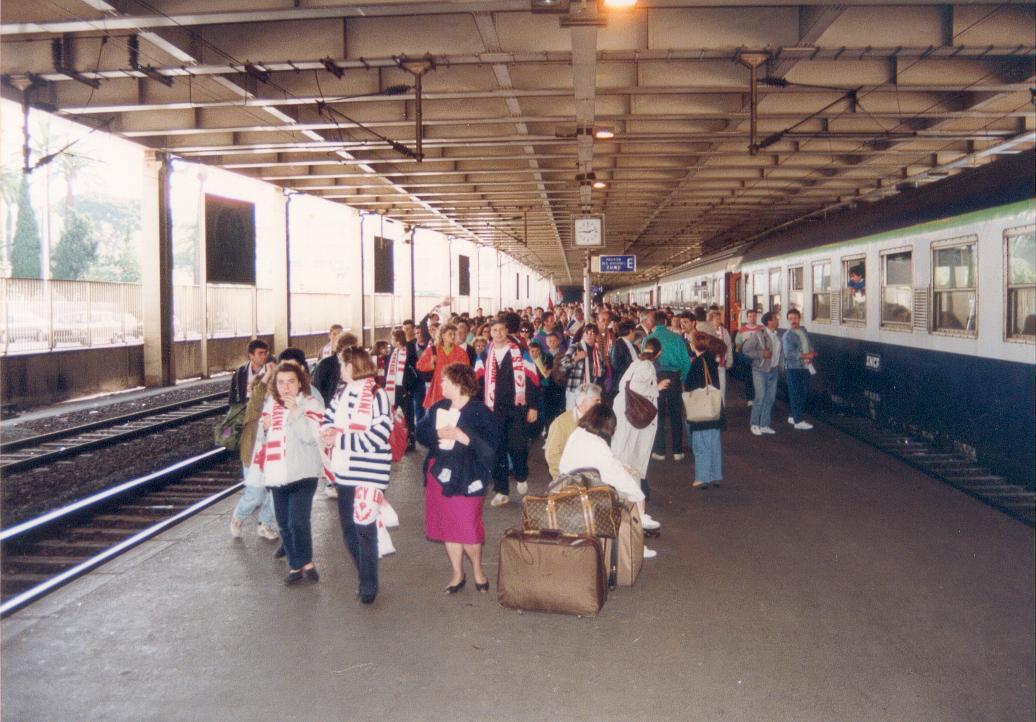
x: 574, y: 510
x: 626, y: 551
x: 545, y: 571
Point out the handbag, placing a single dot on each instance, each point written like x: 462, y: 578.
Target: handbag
x: 640, y: 412
x: 399, y: 436
x: 586, y: 478
x: 574, y: 510
x: 704, y: 404
x: 227, y: 432
x: 558, y: 374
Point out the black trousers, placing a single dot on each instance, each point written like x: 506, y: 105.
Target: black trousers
x: 670, y: 413
x: 361, y: 540
x: 514, y: 445
x: 404, y: 401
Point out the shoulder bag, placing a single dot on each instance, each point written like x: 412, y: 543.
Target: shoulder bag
x: 704, y: 404
x: 640, y: 412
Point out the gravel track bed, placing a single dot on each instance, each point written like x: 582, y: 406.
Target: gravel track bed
x: 108, y: 407
x: 24, y: 495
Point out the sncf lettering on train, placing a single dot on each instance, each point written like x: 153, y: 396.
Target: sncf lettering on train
x: 873, y: 362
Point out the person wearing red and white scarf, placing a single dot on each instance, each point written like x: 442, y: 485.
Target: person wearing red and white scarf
x: 583, y: 364
x: 289, y: 460
x: 357, y: 425
x: 511, y: 390
x: 396, y: 382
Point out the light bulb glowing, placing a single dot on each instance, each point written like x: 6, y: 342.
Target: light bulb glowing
x: 619, y: 4
x: 598, y: 184
x: 604, y: 133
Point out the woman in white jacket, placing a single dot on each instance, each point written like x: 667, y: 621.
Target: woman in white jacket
x: 632, y: 446
x: 289, y: 458
x: 588, y: 448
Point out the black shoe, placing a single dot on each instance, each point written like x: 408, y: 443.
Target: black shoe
x: 280, y: 553
x: 457, y: 587
x: 311, y: 574
x: 293, y: 577
x: 483, y: 587
x: 368, y: 598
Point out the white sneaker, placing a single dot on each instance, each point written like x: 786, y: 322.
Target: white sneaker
x: 330, y: 492
x: 677, y: 457
x: 267, y: 532
x: 803, y: 426
x: 757, y: 431
x: 650, y: 553
x: 235, y: 526
x: 700, y: 485
x: 522, y: 487
x: 657, y: 457
x: 767, y: 430
x: 749, y: 404
x: 646, y: 522
x: 499, y: 500
x: 791, y: 420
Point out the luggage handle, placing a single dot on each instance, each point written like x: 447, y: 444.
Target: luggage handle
x: 613, y: 572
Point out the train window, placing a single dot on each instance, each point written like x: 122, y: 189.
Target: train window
x: 822, y: 291
x: 1021, y: 283
x: 775, y: 290
x: 854, y: 289
x: 897, y: 279
x: 795, y: 288
x: 759, y: 290
x: 954, y: 288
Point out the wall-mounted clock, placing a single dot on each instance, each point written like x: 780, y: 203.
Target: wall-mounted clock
x: 588, y: 231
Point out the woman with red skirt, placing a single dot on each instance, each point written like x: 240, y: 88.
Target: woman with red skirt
x: 461, y: 436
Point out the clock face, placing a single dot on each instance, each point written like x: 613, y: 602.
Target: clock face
x: 588, y: 231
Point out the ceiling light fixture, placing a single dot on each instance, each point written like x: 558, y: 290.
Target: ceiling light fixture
x: 604, y: 133
x: 550, y: 6
x: 599, y: 184
x: 619, y: 4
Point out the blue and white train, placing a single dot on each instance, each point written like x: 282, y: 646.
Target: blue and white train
x: 928, y: 326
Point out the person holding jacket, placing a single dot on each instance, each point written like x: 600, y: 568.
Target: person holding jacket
x: 438, y: 356
x: 456, y: 472
x: 357, y: 425
x: 583, y: 363
x: 705, y: 435
x: 288, y: 456
x: 765, y: 350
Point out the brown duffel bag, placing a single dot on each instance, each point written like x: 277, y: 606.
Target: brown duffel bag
x: 586, y: 478
x: 551, y: 572
x: 625, y: 553
x: 574, y: 510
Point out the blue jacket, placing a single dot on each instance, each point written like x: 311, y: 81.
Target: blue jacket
x: 464, y: 470
x: 793, y: 350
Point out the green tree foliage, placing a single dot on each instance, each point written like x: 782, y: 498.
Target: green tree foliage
x: 76, y: 250
x: 117, y: 227
x: 25, y: 248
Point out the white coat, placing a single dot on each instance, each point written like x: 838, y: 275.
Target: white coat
x: 632, y: 446
x: 589, y: 451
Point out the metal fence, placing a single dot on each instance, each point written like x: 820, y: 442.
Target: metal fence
x: 315, y: 312
x: 37, y: 315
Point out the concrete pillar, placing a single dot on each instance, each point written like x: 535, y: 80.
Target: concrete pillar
x: 157, y: 272
x: 281, y: 267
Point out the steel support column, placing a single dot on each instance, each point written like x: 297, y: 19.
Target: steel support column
x: 157, y: 272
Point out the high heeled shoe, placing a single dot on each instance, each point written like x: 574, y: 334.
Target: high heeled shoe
x: 453, y: 589
x: 483, y: 587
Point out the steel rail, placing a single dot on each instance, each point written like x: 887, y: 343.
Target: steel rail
x: 61, y: 516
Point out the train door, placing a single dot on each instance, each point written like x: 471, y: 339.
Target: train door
x: 733, y: 294
x: 651, y: 298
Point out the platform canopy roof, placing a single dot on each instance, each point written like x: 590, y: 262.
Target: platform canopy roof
x: 480, y: 119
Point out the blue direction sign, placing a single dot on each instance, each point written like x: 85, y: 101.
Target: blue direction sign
x: 618, y: 264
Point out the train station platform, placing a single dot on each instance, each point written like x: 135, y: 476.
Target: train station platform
x: 823, y: 580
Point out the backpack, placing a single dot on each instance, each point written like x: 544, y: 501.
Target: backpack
x: 227, y: 432
x: 399, y: 437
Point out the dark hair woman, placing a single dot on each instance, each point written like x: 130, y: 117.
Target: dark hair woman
x: 461, y: 436
x: 289, y: 458
x: 705, y: 435
x: 357, y: 426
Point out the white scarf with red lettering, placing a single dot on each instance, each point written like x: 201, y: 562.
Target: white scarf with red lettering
x: 270, y: 458
x: 591, y: 364
x: 360, y: 417
x: 518, y: 368
x: 394, y: 375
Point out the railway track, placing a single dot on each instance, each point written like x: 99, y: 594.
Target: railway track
x: 43, y: 554
x: 43, y: 449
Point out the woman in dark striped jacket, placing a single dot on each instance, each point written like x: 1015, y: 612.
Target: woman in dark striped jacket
x: 357, y: 425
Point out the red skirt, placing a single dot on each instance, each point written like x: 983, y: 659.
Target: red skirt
x: 452, y: 518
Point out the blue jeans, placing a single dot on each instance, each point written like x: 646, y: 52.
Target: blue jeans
x: 361, y: 540
x: 255, y: 497
x: 708, y: 455
x: 293, y: 504
x: 765, y: 383
x: 798, y: 386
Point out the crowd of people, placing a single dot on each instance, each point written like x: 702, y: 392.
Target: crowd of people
x: 613, y: 393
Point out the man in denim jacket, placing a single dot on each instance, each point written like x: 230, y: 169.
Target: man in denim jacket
x: 798, y: 365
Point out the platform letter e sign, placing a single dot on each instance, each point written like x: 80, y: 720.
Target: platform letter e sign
x: 873, y: 362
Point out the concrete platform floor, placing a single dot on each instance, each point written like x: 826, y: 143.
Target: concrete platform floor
x: 822, y: 581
